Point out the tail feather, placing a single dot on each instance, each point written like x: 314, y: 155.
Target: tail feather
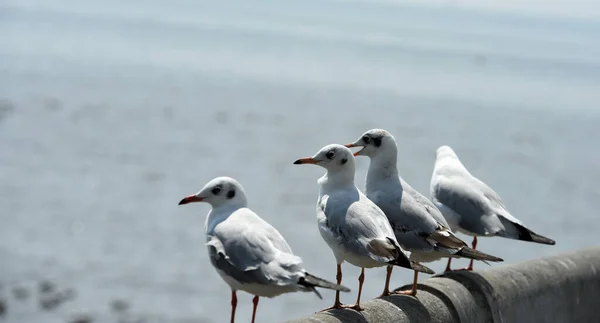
x: 391, y: 248
x: 311, y: 282
x: 421, y: 268
x: 403, y: 260
x: 467, y: 252
x: 528, y: 235
x: 384, y: 248
x: 541, y: 239
x: 446, y: 239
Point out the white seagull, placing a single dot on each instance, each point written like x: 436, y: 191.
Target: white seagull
x: 472, y: 207
x: 418, y: 225
x: 248, y: 253
x: 355, y: 229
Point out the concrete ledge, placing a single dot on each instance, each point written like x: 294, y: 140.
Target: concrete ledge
x: 562, y: 288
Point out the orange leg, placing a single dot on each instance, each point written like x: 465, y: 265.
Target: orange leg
x: 361, y: 280
x: 474, y: 245
x: 255, y: 302
x: 448, y: 265
x: 338, y: 278
x: 413, y: 291
x: 233, y: 305
x: 386, y: 288
x: 470, y: 267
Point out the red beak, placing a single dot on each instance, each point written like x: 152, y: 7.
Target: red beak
x: 352, y: 145
x: 190, y: 199
x: 307, y: 160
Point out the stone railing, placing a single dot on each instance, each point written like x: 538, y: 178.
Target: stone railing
x: 562, y: 288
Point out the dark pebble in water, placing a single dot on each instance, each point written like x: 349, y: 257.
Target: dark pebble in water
x: 81, y: 319
x: 3, y: 307
x: 252, y: 118
x: 167, y: 113
x: 277, y: 120
x: 53, y: 104
x: 221, y: 117
x: 480, y: 60
x: 20, y: 293
x: 46, y: 286
x: 119, y: 305
x: 6, y: 107
x: 68, y: 294
x: 50, y: 302
x: 154, y: 176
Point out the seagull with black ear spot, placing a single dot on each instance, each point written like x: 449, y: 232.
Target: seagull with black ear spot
x: 247, y: 252
x: 355, y: 229
x: 418, y: 224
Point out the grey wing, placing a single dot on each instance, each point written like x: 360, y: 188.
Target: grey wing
x: 220, y: 260
x: 464, y: 198
x: 276, y: 238
x: 418, y: 224
x: 356, y: 221
x: 495, y: 201
x: 408, y: 220
x: 424, y: 205
x: 335, y: 210
x: 368, y: 219
x: 441, y: 238
x: 248, y: 255
x: 353, y: 216
x: 432, y: 210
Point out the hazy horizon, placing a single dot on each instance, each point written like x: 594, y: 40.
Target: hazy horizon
x: 111, y: 112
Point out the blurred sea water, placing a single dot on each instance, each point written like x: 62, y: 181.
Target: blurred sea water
x: 111, y: 111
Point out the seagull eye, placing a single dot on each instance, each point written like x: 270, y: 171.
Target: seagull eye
x: 216, y: 190
x: 366, y: 139
x: 330, y: 154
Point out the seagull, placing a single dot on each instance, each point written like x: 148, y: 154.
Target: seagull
x: 355, y: 229
x: 248, y: 253
x: 472, y: 207
x: 418, y: 225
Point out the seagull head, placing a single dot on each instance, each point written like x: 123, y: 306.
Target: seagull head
x: 375, y: 142
x: 332, y: 157
x: 219, y: 191
x: 445, y: 151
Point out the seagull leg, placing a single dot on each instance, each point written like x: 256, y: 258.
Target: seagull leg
x: 233, y: 305
x: 448, y: 265
x: 474, y: 246
x: 338, y: 278
x: 255, y: 302
x: 386, y: 288
x: 413, y: 291
x: 361, y: 280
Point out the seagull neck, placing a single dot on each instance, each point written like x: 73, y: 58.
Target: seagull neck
x: 238, y: 203
x: 337, y: 179
x: 382, y: 167
x: 220, y: 213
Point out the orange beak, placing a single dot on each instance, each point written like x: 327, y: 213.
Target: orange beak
x: 190, y: 199
x: 307, y: 160
x: 351, y: 146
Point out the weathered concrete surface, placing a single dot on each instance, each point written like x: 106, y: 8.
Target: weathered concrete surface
x: 563, y: 288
